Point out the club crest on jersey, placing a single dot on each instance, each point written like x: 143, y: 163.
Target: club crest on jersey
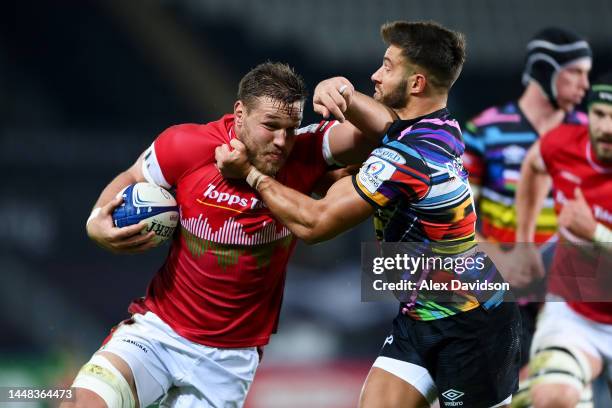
x: 455, y: 168
x: 374, y: 172
x: 389, y: 154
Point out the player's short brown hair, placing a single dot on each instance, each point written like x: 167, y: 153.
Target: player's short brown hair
x: 434, y: 48
x: 274, y: 80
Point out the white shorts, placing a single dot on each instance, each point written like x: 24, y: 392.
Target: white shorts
x: 180, y: 372
x: 559, y: 321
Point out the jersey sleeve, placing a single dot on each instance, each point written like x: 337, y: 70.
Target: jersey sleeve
x: 174, y: 152
x: 474, y: 155
x: 309, y: 160
x: 320, y: 133
x: 389, y: 174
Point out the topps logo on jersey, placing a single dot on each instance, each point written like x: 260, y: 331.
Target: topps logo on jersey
x: 374, y: 172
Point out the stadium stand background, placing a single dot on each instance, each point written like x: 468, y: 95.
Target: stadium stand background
x: 86, y: 85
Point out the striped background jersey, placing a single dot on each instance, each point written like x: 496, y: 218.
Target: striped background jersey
x: 496, y: 143
x: 417, y: 183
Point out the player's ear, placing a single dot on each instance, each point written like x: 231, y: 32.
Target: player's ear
x: 417, y: 83
x: 239, y: 112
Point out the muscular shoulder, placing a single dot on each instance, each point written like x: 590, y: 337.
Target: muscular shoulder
x: 563, y: 137
x: 562, y: 143
x: 183, y: 148
x: 189, y: 136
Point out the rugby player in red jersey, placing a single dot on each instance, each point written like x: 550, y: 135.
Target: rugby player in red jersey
x: 573, y: 338
x: 193, y: 339
x: 465, y: 350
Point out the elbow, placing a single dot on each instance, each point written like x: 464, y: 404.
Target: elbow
x: 312, y: 239
x: 313, y: 233
x: 309, y: 235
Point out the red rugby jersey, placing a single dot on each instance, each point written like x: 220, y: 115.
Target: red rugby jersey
x: 577, y: 272
x: 223, y: 280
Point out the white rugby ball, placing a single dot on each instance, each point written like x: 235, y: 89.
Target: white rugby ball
x: 151, y: 204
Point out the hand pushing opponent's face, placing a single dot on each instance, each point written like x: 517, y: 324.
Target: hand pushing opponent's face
x: 267, y: 129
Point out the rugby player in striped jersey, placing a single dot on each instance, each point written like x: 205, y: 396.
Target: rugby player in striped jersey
x: 464, y: 351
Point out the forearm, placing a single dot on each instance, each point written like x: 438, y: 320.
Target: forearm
x: 117, y: 184
x: 533, y: 188
x: 371, y: 117
x: 298, y: 212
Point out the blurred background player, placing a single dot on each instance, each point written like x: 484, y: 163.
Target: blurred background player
x: 414, y: 183
x: 556, y: 78
x: 571, y: 345
x: 194, y: 339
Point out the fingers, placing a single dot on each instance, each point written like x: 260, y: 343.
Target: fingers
x: 333, y: 96
x: 221, y: 153
x: 111, y: 205
x: 135, y: 241
x: 578, y: 194
x: 143, y: 244
x: 238, y: 145
x: 332, y: 106
x: 320, y: 109
x: 120, y: 234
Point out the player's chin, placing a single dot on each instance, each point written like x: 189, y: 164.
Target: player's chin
x: 604, y: 151
x: 271, y: 167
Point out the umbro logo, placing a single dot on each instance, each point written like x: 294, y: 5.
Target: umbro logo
x: 388, y: 340
x: 452, y: 395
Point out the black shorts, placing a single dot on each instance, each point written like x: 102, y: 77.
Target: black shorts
x: 473, y: 357
x: 529, y: 314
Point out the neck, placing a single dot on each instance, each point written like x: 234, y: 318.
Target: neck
x: 421, y: 106
x: 538, y: 110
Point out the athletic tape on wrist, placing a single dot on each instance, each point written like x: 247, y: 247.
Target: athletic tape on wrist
x: 602, y: 234
x: 254, y: 177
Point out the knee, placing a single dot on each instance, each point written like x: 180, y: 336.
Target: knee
x: 554, y: 396
x: 84, y: 398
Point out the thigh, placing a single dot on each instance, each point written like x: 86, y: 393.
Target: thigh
x: 478, y: 366
x: 401, y: 366
x: 217, y: 378
x: 385, y: 390
x: 134, y: 348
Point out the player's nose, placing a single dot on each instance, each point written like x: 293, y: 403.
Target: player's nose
x: 280, y: 138
x: 376, y: 76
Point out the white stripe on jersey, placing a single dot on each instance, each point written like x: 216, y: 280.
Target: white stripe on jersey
x: 151, y: 170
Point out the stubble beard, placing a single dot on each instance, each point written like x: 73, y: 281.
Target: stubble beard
x: 397, y: 98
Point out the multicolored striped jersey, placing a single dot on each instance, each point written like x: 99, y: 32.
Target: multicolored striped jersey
x: 496, y: 143
x: 417, y: 183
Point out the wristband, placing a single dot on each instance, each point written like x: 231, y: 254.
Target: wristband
x: 94, y: 214
x: 602, y: 234
x: 254, y: 177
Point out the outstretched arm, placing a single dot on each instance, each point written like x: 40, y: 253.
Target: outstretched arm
x: 315, y: 220
x: 309, y: 219
x: 363, y: 121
